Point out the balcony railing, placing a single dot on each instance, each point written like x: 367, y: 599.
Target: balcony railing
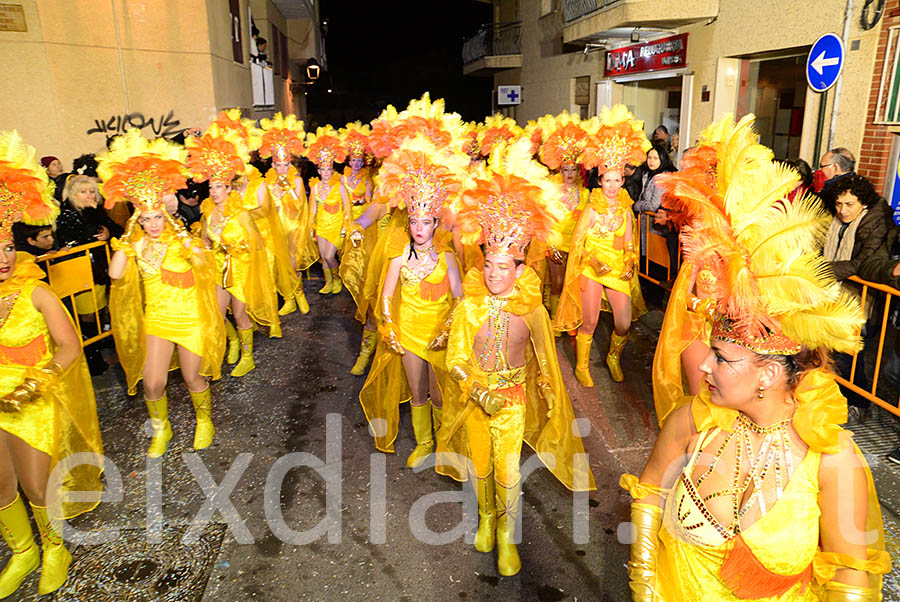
x: 574, y: 9
x: 493, y: 39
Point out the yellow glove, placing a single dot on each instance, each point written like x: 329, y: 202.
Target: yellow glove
x: 646, y: 519
x: 545, y: 390
x: 556, y: 256
x: 440, y: 341
x: 119, y: 245
x: 628, y: 272
x: 386, y: 329
x: 839, y: 592
x: 490, y: 401
x: 356, y: 235
x: 600, y: 268
x: 31, y: 388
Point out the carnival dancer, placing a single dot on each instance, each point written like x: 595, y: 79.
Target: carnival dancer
x: 328, y: 207
x: 752, y: 490
x: 243, y: 277
x: 47, y: 407
x: 420, y: 286
x: 502, y: 354
x: 356, y: 191
x: 253, y: 190
x: 600, y: 270
x: 564, y: 139
x: 163, y: 297
x: 282, y: 139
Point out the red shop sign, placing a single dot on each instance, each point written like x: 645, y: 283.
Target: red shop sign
x: 665, y: 53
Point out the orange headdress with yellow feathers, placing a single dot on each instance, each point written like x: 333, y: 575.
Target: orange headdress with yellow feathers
x: 774, y: 292
x: 421, y: 118
x: 325, y: 147
x: 141, y: 171
x: 282, y: 138
x: 218, y: 155
x: 24, y: 192
x: 619, y: 140
x: 355, y: 138
x: 565, y: 138
x: 509, y: 202
x: 497, y: 129
x: 248, y: 134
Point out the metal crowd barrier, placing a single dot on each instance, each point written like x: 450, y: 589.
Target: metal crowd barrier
x: 655, y: 251
x: 72, y: 276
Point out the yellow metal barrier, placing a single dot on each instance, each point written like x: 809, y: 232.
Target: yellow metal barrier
x: 74, y: 276
x: 657, y: 252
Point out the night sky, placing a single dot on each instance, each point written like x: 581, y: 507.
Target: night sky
x: 382, y: 53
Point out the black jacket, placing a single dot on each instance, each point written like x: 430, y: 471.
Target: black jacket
x: 80, y: 227
x: 870, y: 235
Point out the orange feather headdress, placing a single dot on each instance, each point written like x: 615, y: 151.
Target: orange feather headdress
x: 218, y: 155
x: 325, y: 147
x: 565, y: 138
x: 141, y: 171
x: 355, y: 138
x: 421, y: 118
x: 509, y: 202
x: 248, y: 134
x: 24, y: 191
x: 774, y: 291
x: 497, y: 129
x: 282, y: 138
x: 619, y: 140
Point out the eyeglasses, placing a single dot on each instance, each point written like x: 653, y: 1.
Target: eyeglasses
x: 825, y: 165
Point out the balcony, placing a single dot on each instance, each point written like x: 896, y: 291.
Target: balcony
x: 591, y: 20
x: 496, y: 46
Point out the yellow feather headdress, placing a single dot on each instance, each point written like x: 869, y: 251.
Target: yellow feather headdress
x: 775, y: 292
x: 324, y: 147
x: 282, y: 138
x: 230, y: 120
x: 421, y: 118
x: 497, y: 129
x: 510, y: 201
x: 141, y: 171
x: 565, y: 138
x: 355, y: 138
x: 218, y: 155
x: 24, y: 192
x: 620, y: 140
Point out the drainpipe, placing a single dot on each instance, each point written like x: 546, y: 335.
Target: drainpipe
x: 848, y: 15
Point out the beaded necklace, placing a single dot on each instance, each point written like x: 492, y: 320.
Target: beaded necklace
x: 153, y: 253
x: 497, y: 340
x: 8, y: 303
x: 570, y: 197
x: 425, y: 261
x: 774, y: 454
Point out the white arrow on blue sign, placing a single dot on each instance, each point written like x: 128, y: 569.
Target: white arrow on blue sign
x: 825, y: 61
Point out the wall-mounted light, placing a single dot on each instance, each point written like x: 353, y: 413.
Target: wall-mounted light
x: 312, y: 69
x: 635, y: 35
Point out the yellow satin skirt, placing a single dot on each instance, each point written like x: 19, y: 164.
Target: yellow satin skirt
x: 34, y: 423
x: 329, y: 225
x: 602, y: 250
x: 173, y: 314
x: 238, y: 274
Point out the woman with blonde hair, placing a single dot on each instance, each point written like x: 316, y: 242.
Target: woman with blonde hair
x: 176, y: 273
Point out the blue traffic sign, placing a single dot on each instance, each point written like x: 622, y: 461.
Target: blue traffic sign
x: 825, y: 61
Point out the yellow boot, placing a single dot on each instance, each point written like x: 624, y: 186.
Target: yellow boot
x: 507, y: 500
x: 302, y: 303
x: 583, y: 344
x: 16, y: 530
x: 336, y: 284
x: 366, y: 348
x: 162, y: 430
x: 421, y: 421
x: 289, y: 307
x: 203, y: 434
x: 246, y: 364
x: 327, y: 288
x: 234, y: 343
x: 56, y: 560
x: 437, y: 414
x: 554, y: 306
x: 616, y: 344
x: 487, y: 514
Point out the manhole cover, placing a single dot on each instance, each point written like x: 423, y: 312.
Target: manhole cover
x: 131, y: 569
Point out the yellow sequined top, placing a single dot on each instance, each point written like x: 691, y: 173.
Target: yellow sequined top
x: 63, y: 421
x: 566, y: 226
x: 424, y: 305
x: 357, y: 194
x: 329, y: 210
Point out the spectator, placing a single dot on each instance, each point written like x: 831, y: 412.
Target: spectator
x: 660, y: 136
x: 632, y: 183
x: 650, y: 199
x: 883, y: 266
x: 36, y: 240
x: 53, y: 166
x: 835, y: 165
x: 188, y: 206
x: 86, y: 165
x: 806, y: 178
x: 860, y: 225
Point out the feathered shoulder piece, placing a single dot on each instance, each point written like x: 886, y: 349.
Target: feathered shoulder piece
x: 282, y: 138
x: 218, y: 155
x: 774, y: 291
x: 564, y: 139
x: 324, y: 147
x: 619, y: 140
x: 355, y: 138
x: 497, y: 129
x: 141, y: 171
x: 422, y: 177
x: 508, y: 202
x: 24, y: 192
x: 421, y: 118
x: 230, y: 120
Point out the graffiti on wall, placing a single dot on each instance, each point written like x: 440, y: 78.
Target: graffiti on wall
x: 164, y: 126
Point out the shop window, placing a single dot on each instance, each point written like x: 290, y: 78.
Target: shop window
x: 775, y: 91
x: 236, y: 42
x: 887, y: 111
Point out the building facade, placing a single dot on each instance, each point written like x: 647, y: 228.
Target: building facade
x: 80, y: 71
x: 684, y: 63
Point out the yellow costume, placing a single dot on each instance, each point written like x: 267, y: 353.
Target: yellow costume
x: 47, y: 406
x: 763, y: 527
x: 268, y: 223
x: 329, y: 210
x: 294, y: 212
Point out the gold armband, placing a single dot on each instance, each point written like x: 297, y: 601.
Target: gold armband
x: 840, y: 592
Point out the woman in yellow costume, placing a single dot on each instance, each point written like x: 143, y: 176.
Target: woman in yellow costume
x: 564, y: 139
x: 328, y: 207
x: 409, y: 359
x: 752, y: 490
x: 253, y: 191
x: 356, y: 190
x: 243, y: 276
x: 47, y: 408
x: 163, y: 298
x: 502, y: 355
x: 282, y: 139
x: 600, y: 270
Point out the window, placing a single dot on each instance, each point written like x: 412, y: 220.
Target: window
x: 237, y: 49
x: 887, y: 111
